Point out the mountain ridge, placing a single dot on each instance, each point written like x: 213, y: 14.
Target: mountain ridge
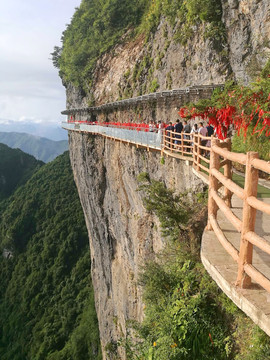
x: 40, y: 147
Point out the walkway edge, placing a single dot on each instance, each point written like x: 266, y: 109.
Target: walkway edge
x: 235, y: 294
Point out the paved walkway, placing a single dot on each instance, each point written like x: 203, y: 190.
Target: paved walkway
x: 255, y: 302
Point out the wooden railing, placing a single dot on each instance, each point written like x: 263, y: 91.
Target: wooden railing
x: 193, y: 146
x: 222, y: 156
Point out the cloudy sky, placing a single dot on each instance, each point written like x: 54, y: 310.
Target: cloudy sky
x: 29, y: 84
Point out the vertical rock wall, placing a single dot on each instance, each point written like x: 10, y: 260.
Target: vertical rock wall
x: 248, y: 30
x: 122, y: 234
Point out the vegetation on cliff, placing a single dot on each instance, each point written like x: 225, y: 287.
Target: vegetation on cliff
x: 46, y: 298
x: 98, y: 25
x: 186, y: 315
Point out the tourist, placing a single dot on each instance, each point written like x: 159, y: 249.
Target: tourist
x: 187, y: 130
x: 169, y: 134
x: 178, y: 128
x: 203, y: 131
x: 159, y: 131
x: 210, y: 130
x: 151, y: 126
x: 194, y: 130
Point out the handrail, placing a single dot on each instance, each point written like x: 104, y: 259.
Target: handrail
x: 228, y: 155
x: 258, y: 204
x: 228, y: 183
x: 246, y: 271
x: 237, y: 223
x: 257, y: 276
x: 261, y: 165
x: 258, y: 241
x: 221, y: 237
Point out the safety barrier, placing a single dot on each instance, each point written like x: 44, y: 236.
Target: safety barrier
x: 246, y: 225
x: 130, y: 134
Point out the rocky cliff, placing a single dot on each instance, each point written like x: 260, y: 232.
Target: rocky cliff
x: 122, y: 234
x: 238, y: 49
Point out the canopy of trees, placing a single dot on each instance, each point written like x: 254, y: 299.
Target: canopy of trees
x: 46, y: 298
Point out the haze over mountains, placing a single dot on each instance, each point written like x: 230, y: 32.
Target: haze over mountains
x: 48, y: 130
x: 40, y: 147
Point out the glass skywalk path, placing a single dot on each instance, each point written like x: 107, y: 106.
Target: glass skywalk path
x: 140, y: 137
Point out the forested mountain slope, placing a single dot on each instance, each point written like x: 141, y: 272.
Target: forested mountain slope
x: 40, y: 147
x: 46, y: 298
x: 16, y: 168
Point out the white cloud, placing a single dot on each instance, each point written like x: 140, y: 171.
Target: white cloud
x: 29, y: 84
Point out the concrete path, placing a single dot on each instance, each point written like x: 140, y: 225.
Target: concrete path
x: 255, y: 302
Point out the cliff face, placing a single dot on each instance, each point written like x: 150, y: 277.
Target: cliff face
x: 248, y: 28
x: 208, y: 56
x: 122, y: 234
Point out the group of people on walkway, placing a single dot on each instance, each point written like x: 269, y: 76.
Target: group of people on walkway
x: 175, y: 132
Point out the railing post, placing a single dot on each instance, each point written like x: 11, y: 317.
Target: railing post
x: 199, y: 152
x: 248, y: 224
x: 182, y: 143
x: 162, y: 140
x: 171, y: 140
x: 213, y: 183
x: 165, y: 139
x: 195, y: 148
x: 228, y: 174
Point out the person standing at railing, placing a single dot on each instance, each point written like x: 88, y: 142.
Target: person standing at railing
x: 194, y: 130
x: 187, y: 130
x: 160, y: 127
x: 210, y: 132
x: 169, y: 134
x: 151, y: 126
x: 178, y: 128
x: 203, y: 131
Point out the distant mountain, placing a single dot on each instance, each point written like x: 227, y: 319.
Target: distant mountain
x: 41, y: 148
x: 48, y: 130
x: 16, y: 168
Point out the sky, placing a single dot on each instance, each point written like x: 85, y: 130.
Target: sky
x: 30, y: 89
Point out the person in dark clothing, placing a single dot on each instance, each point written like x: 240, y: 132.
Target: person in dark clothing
x: 178, y: 128
x: 210, y: 130
x: 169, y: 132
